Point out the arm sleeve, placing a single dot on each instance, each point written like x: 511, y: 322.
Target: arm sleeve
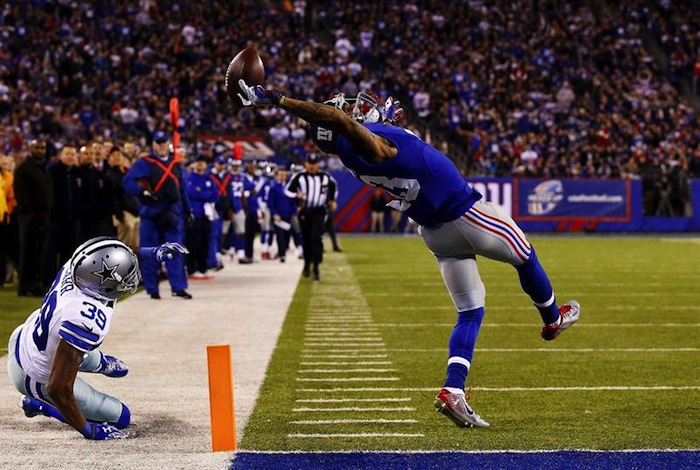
x: 332, y: 188
x: 79, y: 335
x: 137, y: 171
x: 292, y: 187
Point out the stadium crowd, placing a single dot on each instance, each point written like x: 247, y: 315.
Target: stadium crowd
x: 538, y: 88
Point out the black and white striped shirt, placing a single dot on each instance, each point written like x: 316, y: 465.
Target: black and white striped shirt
x: 317, y: 189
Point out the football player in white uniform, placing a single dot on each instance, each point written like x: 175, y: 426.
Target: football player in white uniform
x: 62, y: 338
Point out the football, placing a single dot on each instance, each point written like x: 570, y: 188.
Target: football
x: 246, y: 65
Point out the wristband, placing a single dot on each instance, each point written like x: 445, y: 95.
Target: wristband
x: 281, y: 101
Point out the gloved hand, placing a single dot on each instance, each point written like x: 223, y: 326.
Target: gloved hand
x: 167, y: 251
x: 101, y: 432
x: 258, y: 96
x: 148, y: 197
x: 392, y: 112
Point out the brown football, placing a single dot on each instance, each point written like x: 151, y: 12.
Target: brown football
x: 246, y: 65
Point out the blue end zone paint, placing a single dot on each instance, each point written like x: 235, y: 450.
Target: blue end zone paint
x: 566, y: 459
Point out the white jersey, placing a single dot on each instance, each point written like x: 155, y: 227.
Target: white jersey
x: 65, y: 314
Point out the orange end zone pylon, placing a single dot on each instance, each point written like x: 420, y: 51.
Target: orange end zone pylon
x: 223, y: 422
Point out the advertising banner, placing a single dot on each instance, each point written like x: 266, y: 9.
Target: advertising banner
x: 566, y: 199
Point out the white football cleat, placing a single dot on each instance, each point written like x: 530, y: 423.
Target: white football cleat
x: 568, y: 315
x: 455, y: 407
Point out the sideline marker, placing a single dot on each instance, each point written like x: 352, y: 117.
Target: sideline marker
x: 223, y: 422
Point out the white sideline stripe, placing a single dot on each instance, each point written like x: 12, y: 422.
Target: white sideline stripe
x: 324, y: 344
x: 345, y: 400
x: 534, y: 325
x: 369, y: 434
x: 349, y: 379
x: 352, y: 421
x: 341, y: 356
x: 505, y: 389
x: 353, y: 409
x: 335, y: 371
x: 359, y: 363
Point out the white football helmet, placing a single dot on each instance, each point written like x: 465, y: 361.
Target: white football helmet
x: 105, y: 268
x: 363, y: 108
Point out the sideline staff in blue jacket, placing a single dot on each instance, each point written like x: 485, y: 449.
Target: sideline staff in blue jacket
x: 157, y: 181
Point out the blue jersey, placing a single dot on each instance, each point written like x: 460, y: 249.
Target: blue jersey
x: 200, y: 190
x: 235, y: 191
x: 427, y: 185
x: 279, y: 203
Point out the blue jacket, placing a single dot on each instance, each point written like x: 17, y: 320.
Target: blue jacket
x: 152, y: 173
x: 200, y: 189
x: 280, y: 204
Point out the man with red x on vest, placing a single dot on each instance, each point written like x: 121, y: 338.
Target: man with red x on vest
x: 157, y: 182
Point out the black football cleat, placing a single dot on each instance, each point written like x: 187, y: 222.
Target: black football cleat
x: 155, y: 295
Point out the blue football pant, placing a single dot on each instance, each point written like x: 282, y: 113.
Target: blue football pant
x: 151, y: 235
x: 215, y: 240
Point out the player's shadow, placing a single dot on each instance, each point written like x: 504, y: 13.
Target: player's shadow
x: 158, y: 425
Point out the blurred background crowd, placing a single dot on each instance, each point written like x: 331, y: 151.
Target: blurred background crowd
x: 587, y: 89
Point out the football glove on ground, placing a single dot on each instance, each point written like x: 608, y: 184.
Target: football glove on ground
x: 258, y: 96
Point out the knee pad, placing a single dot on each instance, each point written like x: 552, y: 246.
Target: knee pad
x: 473, y: 299
x: 124, y: 419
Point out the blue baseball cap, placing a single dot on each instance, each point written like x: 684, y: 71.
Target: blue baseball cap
x: 221, y: 159
x: 161, y: 136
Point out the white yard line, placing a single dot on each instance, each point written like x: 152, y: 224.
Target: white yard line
x: 354, y: 409
x: 356, y: 435
x: 353, y: 421
x: 615, y: 388
x: 349, y: 379
x: 349, y: 400
x: 335, y: 371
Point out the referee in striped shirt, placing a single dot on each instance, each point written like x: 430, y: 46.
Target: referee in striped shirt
x: 316, y: 192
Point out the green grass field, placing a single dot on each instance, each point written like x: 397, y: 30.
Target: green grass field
x: 363, y: 353
x: 13, y: 311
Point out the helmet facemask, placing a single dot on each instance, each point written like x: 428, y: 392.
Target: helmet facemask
x: 362, y: 108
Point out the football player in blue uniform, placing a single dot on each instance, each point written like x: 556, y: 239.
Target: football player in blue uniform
x: 221, y: 178
x: 455, y: 222
x: 62, y: 337
x: 236, y: 196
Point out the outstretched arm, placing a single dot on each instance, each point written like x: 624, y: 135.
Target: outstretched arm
x: 372, y: 147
